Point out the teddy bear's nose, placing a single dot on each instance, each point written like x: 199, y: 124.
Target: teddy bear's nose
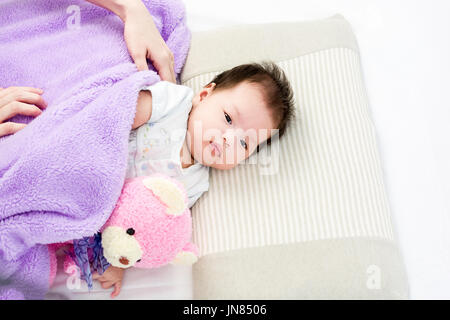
x: 124, y: 261
x: 130, y: 231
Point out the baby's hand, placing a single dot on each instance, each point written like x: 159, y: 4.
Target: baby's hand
x: 111, y: 277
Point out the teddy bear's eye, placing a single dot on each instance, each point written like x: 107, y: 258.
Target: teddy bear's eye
x: 130, y: 231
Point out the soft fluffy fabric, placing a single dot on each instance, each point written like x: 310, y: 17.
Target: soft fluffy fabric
x: 61, y: 176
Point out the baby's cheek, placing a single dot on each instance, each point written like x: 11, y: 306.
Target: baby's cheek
x: 240, y: 154
x: 231, y: 158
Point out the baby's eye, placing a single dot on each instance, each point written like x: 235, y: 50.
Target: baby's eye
x: 227, y: 117
x: 244, y: 144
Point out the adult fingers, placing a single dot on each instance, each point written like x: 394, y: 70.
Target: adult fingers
x: 117, y: 288
x: 23, y: 96
x: 16, y: 107
x: 32, y: 98
x: 141, y: 61
x: 10, y: 128
x: 167, y: 73
x: 164, y: 63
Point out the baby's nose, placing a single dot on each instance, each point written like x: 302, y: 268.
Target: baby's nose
x: 225, y: 143
x: 228, y: 139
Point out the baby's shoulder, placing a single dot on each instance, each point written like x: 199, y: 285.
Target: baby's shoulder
x: 170, y: 100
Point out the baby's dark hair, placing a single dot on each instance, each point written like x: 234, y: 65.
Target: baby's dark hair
x: 276, y: 89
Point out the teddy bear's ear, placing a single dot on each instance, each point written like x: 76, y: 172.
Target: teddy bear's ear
x: 168, y: 193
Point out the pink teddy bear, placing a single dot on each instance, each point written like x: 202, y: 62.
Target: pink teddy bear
x: 149, y: 227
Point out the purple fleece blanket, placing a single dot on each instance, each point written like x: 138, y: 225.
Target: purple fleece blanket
x: 61, y: 176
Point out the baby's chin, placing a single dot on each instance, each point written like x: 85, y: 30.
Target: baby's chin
x: 219, y: 166
x: 214, y: 162
x: 206, y: 158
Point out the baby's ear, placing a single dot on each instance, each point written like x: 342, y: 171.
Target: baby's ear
x: 207, y: 90
x: 210, y: 85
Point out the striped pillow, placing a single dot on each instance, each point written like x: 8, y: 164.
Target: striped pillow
x: 308, y: 216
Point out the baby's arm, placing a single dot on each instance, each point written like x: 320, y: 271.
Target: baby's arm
x: 143, y: 108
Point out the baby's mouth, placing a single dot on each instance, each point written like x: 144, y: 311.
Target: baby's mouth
x: 215, y: 150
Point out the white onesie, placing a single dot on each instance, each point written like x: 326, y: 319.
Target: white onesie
x: 155, y: 146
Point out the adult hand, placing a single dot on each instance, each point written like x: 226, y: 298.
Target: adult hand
x: 141, y: 36
x: 144, y: 41
x: 19, y: 100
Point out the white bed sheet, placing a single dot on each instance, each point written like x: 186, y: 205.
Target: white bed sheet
x: 165, y: 283
x: 404, y: 47
x: 405, y: 50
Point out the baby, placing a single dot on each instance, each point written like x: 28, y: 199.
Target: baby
x: 182, y: 135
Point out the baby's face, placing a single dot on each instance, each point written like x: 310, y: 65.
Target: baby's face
x: 225, y: 126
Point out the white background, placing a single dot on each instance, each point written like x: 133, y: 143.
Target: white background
x: 405, y: 52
